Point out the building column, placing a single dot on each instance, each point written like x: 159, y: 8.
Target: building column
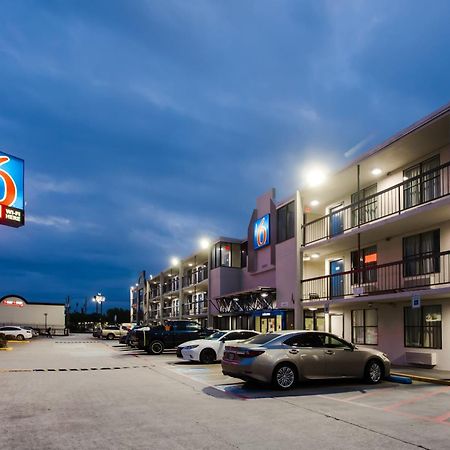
x: 298, y: 294
x: 180, y: 291
x: 161, y: 299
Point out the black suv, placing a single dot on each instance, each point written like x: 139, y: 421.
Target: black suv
x: 170, y: 335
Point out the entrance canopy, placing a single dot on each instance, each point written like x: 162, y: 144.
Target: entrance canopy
x: 261, y: 298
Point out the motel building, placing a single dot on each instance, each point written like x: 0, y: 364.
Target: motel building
x: 229, y: 283
x: 364, y: 254
x: 376, y: 247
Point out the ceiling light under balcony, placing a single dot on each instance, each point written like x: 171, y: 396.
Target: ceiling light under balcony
x: 315, y: 255
x: 306, y: 258
x: 314, y: 202
x: 376, y: 172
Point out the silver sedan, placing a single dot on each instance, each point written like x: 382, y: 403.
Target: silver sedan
x: 284, y: 358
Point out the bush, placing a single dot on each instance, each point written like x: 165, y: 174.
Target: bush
x: 3, y: 342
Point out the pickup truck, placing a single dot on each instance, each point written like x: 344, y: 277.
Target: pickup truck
x: 170, y: 335
x: 113, y: 331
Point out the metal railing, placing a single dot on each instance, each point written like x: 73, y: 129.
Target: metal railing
x: 195, y: 308
x: 409, y: 274
x: 403, y: 196
x: 197, y: 276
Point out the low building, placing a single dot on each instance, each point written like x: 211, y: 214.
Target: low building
x: 15, y: 310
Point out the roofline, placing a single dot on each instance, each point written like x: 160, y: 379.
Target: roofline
x: 442, y: 111
x: 31, y: 303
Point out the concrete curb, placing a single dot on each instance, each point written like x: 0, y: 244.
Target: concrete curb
x: 423, y: 379
x: 6, y: 349
x: 18, y: 342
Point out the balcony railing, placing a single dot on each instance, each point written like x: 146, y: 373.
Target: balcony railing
x: 195, y: 308
x: 412, y: 192
x: 197, y: 276
x: 411, y: 274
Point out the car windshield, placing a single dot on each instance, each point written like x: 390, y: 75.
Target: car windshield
x: 262, y: 338
x: 215, y: 336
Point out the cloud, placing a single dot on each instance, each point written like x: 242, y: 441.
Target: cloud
x: 60, y: 223
x: 40, y: 183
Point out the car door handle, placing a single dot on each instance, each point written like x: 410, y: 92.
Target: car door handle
x: 329, y: 352
x: 294, y: 352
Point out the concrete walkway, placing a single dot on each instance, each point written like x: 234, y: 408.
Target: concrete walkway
x: 423, y: 374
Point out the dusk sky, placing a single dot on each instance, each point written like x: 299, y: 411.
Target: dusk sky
x: 145, y: 125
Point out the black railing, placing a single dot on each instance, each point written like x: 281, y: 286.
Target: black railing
x: 412, y: 273
x: 197, y: 276
x: 412, y: 192
x: 195, y: 308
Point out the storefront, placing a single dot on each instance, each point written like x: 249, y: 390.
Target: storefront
x: 266, y: 321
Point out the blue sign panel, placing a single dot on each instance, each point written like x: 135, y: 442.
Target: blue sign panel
x: 261, y: 232
x: 11, y: 190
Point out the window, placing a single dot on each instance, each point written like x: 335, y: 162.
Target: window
x: 304, y: 340
x: 244, y: 252
x: 367, y: 264
x: 364, y: 205
x: 232, y: 336
x: 365, y: 326
x: 421, y: 254
x: 193, y: 327
x: 263, y: 338
x: 423, y: 327
x: 332, y: 342
x: 422, y: 183
x: 226, y: 254
x: 286, y: 222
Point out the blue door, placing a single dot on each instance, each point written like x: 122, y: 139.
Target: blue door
x: 336, y: 280
x: 336, y: 220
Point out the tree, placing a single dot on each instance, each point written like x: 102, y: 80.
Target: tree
x: 120, y: 315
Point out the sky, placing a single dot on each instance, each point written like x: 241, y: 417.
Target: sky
x: 146, y: 125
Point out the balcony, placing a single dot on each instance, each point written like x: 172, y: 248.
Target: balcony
x: 195, y: 308
x: 196, y: 277
x: 397, y: 199
x: 422, y: 272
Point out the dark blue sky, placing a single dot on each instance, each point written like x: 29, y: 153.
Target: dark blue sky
x: 147, y: 124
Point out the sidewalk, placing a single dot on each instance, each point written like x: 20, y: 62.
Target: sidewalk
x: 422, y: 374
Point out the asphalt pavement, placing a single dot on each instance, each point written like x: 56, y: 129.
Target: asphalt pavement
x: 78, y: 392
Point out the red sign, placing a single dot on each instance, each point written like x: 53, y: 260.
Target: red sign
x: 13, y: 302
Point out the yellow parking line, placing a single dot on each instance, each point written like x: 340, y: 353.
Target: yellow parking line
x: 18, y: 342
x: 6, y: 349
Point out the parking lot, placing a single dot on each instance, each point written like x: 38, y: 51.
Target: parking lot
x: 79, y: 392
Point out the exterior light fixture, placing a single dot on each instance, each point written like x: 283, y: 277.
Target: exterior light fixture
x: 314, y: 202
x: 174, y: 261
x: 190, y: 264
x: 315, y: 255
x: 312, y: 309
x: 264, y: 294
x: 306, y: 258
x: 204, y: 243
x: 377, y: 171
x: 315, y: 177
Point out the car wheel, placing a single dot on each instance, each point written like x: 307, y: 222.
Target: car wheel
x: 110, y: 337
x: 156, y: 347
x: 207, y: 356
x: 374, y: 372
x: 284, y: 376
x: 20, y: 337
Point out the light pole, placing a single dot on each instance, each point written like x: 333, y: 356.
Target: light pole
x: 45, y: 321
x: 99, y: 299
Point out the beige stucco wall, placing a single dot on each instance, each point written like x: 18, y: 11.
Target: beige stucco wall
x: 32, y: 315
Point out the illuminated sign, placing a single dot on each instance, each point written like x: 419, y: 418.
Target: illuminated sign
x: 11, y: 191
x: 261, y: 232
x: 13, y: 302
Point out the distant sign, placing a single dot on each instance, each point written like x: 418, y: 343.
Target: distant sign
x: 326, y: 308
x: 11, y: 191
x: 415, y: 301
x: 261, y: 232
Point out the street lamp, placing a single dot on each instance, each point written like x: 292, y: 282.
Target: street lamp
x: 45, y: 320
x: 99, y: 299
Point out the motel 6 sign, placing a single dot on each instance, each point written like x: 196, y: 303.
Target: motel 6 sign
x: 12, y: 202
x: 261, y: 232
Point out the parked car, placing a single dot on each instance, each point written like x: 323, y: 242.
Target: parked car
x: 284, y: 358
x: 170, y: 335
x: 135, y: 337
x: 18, y: 333
x: 210, y: 349
x: 97, y: 332
x: 34, y: 332
x: 113, y: 331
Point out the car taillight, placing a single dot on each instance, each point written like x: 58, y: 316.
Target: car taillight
x: 250, y: 353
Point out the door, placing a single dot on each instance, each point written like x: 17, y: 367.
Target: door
x: 336, y: 280
x: 337, y: 324
x: 336, y: 220
x: 341, y: 359
x: 306, y: 351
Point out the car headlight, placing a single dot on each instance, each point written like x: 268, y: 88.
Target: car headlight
x: 189, y: 347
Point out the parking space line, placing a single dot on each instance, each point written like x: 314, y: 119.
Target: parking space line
x: 368, y: 394
x: 416, y: 399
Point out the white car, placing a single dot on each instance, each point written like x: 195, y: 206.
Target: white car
x: 19, y: 333
x: 211, y: 348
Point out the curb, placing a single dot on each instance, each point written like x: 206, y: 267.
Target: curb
x: 18, y: 342
x: 423, y: 379
x: 6, y: 349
